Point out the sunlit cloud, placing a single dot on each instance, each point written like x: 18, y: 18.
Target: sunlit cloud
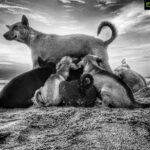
x: 67, y: 6
x: 69, y: 9
x: 41, y: 18
x: 129, y: 16
x: 134, y: 54
x: 73, y: 21
x: 13, y: 7
x: 104, y: 4
x: 15, y: 54
x: 70, y: 28
x: 69, y: 1
x: 66, y: 16
x: 81, y: 16
x: 37, y: 16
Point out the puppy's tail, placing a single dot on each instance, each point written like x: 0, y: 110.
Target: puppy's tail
x: 113, y: 29
x: 86, y: 81
x: 38, y: 98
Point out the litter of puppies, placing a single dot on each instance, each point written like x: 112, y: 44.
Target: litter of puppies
x: 74, y: 71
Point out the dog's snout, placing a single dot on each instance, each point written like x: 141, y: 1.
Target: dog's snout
x: 9, y: 35
x: 5, y: 35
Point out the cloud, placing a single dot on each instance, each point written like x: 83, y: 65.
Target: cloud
x: 67, y: 16
x: 41, y: 18
x: 14, y: 54
x: 105, y: 3
x: 13, y: 7
x: 70, y: 28
x: 67, y: 6
x: 70, y: 1
x: 69, y: 9
x: 18, y: 10
x: 73, y: 21
x: 133, y: 53
x: 129, y: 16
x: 143, y: 25
x: 35, y: 16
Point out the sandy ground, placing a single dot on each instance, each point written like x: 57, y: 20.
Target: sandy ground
x: 71, y: 128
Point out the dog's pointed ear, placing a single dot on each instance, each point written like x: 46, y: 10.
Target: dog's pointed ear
x: 123, y: 61
x: 24, y: 20
x: 41, y: 62
x: 8, y: 26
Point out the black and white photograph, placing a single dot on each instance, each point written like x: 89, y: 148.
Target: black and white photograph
x: 74, y: 74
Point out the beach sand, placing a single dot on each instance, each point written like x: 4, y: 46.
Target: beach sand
x: 70, y: 128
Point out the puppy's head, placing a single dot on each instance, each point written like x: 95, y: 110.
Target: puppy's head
x: 119, y: 71
x: 91, y: 60
x: 18, y: 31
x: 66, y: 63
x: 45, y: 63
x: 124, y: 64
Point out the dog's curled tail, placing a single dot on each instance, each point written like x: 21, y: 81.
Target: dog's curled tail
x: 86, y: 81
x: 113, y: 29
x: 38, y: 98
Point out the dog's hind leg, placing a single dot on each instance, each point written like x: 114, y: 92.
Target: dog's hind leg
x: 107, y: 98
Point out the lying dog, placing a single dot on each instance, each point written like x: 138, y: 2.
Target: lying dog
x: 53, y: 47
x: 113, y: 91
x: 133, y: 79
x: 48, y: 95
x: 19, y: 91
x: 78, y: 93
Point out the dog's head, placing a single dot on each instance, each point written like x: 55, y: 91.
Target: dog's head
x: 66, y: 63
x: 45, y: 63
x: 119, y: 71
x: 18, y: 31
x: 91, y: 60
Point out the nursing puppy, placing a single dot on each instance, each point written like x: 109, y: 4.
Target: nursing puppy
x: 53, y: 47
x: 113, y: 91
x: 133, y: 79
x: 48, y: 95
x: 78, y: 93
x: 19, y: 91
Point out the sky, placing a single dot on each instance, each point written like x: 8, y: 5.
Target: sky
x: 83, y: 17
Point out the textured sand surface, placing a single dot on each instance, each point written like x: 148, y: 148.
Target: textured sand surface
x: 71, y: 128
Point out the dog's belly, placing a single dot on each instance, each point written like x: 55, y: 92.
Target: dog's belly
x: 53, y: 49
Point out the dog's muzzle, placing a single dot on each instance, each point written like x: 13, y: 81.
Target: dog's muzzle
x: 10, y: 37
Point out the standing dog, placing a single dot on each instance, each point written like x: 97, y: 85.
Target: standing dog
x: 53, y: 47
x: 48, y: 95
x: 19, y: 91
x: 113, y: 91
x: 133, y: 79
